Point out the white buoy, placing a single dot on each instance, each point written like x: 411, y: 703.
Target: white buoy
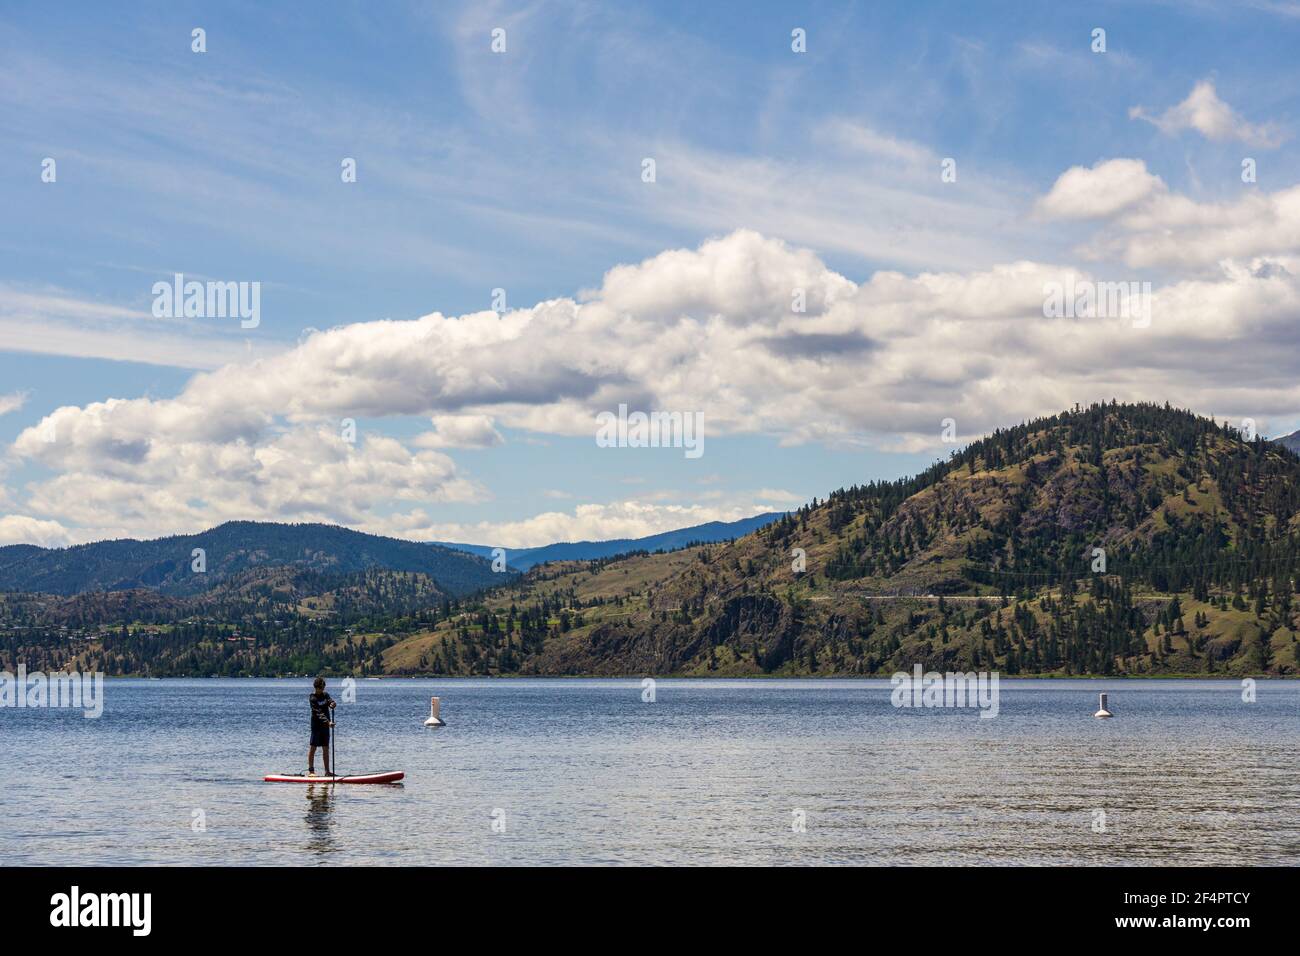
x: 1103, y: 712
x: 436, y: 721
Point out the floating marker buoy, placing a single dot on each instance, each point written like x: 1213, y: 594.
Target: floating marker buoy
x: 1102, y: 712
x: 436, y: 721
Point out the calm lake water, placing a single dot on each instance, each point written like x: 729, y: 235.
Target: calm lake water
x: 711, y: 772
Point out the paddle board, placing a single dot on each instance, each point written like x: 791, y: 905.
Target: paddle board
x: 389, y: 776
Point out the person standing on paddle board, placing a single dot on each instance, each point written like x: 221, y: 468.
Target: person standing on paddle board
x: 321, y: 722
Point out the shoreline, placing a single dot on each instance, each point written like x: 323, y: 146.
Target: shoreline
x: 738, y: 677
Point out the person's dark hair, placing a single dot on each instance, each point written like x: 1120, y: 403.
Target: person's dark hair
x: 319, y: 683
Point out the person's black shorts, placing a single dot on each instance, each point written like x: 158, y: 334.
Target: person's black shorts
x: 320, y: 735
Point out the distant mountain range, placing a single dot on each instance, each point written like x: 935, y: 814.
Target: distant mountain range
x: 165, y: 564
x: 522, y: 559
x: 1291, y: 441
x: 230, y: 550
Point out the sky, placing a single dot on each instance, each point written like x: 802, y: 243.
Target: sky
x: 829, y: 235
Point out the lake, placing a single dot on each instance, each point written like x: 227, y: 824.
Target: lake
x: 711, y: 772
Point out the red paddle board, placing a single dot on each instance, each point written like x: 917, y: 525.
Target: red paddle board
x: 389, y: 776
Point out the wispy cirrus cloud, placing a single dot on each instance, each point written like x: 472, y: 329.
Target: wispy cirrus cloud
x: 12, y: 402
x: 57, y: 322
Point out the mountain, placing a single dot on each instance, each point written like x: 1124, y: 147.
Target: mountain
x: 1291, y: 442
x: 522, y: 559
x: 164, y: 564
x: 990, y: 560
x: 1123, y: 540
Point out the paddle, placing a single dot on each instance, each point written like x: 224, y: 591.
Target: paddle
x: 334, y: 733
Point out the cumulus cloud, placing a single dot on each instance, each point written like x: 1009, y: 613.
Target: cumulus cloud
x: 460, y: 431
x: 1178, y: 232
x: 23, y: 529
x: 878, y: 362
x: 1210, y: 116
x: 177, y: 481
x: 1146, y: 225
x: 1099, y: 191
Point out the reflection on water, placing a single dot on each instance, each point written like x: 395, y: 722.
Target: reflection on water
x: 320, y: 838
x: 586, y: 771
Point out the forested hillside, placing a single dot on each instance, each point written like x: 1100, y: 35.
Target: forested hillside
x: 1116, y: 539
x: 1135, y: 539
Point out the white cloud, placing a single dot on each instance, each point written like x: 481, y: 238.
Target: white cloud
x: 52, y: 322
x: 1100, y: 191
x: 778, y: 499
x: 1176, y: 231
x: 460, y: 431
x: 1145, y: 225
x: 22, y: 529
x: 587, y: 522
x: 12, y: 402
x: 862, y: 138
x: 182, y: 481
x: 1210, y: 116
x: 882, y: 362
x: 1149, y: 227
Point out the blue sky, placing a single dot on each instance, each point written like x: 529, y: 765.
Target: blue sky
x: 522, y: 171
